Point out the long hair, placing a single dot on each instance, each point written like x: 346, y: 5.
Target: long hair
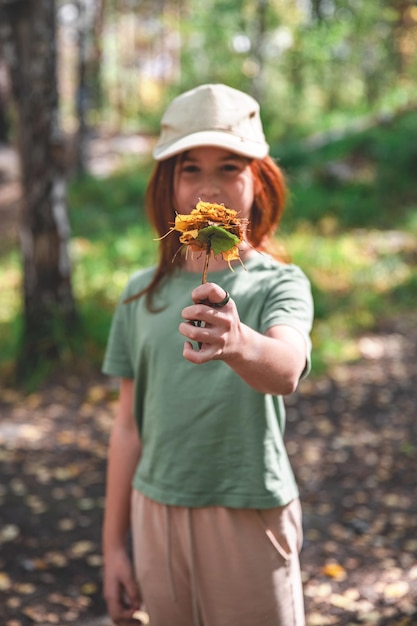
x: 267, y: 209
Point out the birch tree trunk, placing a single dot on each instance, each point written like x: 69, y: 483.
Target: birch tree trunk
x: 258, y: 49
x: 28, y: 37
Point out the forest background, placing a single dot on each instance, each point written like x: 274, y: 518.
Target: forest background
x: 82, y: 88
x: 337, y: 85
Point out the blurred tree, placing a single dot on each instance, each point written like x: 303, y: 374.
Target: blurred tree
x: 5, y: 121
x: 4, y: 103
x: 82, y: 95
x: 89, y: 27
x: 405, y: 34
x: 311, y: 63
x: 27, y: 32
x: 260, y: 33
x: 97, y: 54
x: 318, y: 9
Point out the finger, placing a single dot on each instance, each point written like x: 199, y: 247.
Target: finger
x: 219, y: 304
x: 195, y: 311
x: 196, y: 331
x: 202, y: 355
x: 123, y: 605
x: 203, y: 313
x: 133, y: 594
x: 205, y: 352
x: 209, y: 292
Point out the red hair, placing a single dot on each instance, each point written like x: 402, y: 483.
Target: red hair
x: 268, y: 206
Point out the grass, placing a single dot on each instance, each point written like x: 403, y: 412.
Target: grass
x: 351, y: 224
x: 111, y: 239
x: 10, y: 310
x: 359, y: 279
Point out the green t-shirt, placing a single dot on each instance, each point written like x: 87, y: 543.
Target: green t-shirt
x: 207, y: 437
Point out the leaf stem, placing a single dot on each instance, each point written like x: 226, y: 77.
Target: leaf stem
x: 206, y: 263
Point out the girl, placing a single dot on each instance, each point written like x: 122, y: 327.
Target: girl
x: 197, y: 467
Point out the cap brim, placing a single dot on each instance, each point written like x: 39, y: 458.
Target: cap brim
x: 218, y: 139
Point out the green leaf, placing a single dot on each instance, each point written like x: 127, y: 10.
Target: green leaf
x: 221, y: 240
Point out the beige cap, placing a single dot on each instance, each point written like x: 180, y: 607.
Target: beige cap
x: 212, y: 115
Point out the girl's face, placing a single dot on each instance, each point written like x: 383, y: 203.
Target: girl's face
x: 213, y: 175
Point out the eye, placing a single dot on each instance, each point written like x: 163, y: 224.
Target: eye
x: 189, y: 168
x: 230, y: 167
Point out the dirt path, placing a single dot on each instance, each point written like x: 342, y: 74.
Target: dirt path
x: 352, y: 438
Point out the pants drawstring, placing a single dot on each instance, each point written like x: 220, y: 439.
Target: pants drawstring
x: 268, y: 532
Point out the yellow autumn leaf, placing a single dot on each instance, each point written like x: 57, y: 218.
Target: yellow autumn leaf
x: 89, y: 588
x: 182, y: 222
x: 232, y: 254
x: 5, y: 581
x: 189, y: 236
x: 204, y: 215
x: 335, y: 571
x: 213, y: 229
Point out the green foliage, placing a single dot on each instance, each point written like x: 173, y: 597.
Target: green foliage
x: 311, y: 68
x: 99, y: 207
x: 10, y: 315
x: 352, y: 228
x: 365, y: 180
x: 111, y: 239
x: 358, y: 278
x: 352, y: 225
x: 219, y: 239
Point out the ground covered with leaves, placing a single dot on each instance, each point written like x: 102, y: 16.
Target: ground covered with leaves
x: 353, y: 442
x: 352, y: 437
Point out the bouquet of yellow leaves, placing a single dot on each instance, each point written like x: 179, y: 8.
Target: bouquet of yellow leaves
x: 211, y: 228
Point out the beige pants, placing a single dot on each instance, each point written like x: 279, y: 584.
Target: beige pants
x: 217, y: 566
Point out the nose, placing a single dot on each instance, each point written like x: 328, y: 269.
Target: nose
x: 209, y: 189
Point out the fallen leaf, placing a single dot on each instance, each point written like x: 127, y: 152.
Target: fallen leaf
x: 5, y: 582
x: 81, y: 548
x: 10, y: 532
x: 89, y: 588
x: 335, y: 571
x: 396, y: 590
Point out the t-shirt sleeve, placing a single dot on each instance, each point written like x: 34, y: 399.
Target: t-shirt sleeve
x: 117, y: 358
x: 290, y: 302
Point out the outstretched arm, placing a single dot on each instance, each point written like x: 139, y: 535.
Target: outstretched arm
x: 270, y: 363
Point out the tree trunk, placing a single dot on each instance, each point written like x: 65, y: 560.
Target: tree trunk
x: 317, y: 9
x: 405, y: 32
x: 28, y: 29
x: 258, y: 49
x: 82, y: 92
x: 4, y: 103
x: 97, y: 55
